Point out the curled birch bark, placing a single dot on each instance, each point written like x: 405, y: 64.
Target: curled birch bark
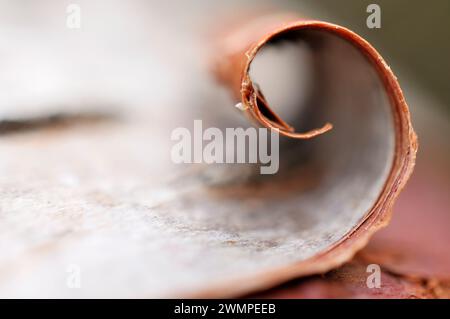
x: 96, y: 196
x: 305, y: 78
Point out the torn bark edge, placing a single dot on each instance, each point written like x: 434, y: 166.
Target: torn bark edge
x: 233, y: 72
x: 236, y: 53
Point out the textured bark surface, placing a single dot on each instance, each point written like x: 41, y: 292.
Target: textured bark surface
x: 87, y: 178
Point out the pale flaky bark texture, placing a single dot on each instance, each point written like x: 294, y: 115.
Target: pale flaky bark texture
x: 88, y: 189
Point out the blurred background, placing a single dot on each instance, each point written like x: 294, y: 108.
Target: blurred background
x: 414, y: 36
